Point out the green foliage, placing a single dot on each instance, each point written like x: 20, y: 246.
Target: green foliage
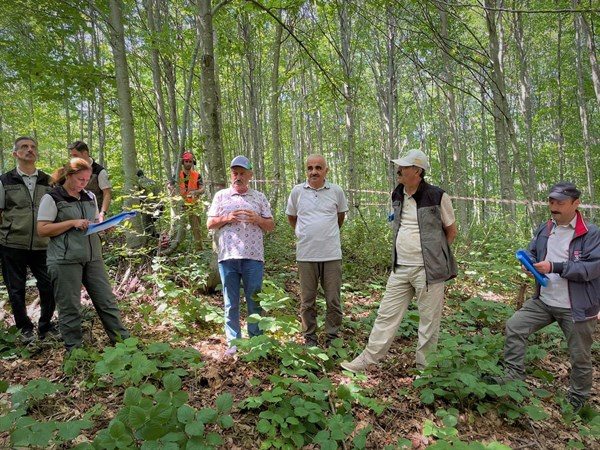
x: 175, y: 279
x: 26, y: 431
x: 162, y: 419
x: 126, y: 364
x: 279, y: 317
x: 295, y: 413
x: 447, y: 434
x: 454, y: 373
x: 366, y: 245
x: 489, y: 259
x: 475, y: 313
x: 9, y: 338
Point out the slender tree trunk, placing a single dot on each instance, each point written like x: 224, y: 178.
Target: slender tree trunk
x: 560, y: 139
x: 211, y: 121
x: 275, y: 133
x: 210, y: 101
x: 458, y: 156
x: 99, y: 90
x: 588, y: 35
x: 129, y: 155
x: 253, y: 100
x: 583, y: 116
x: 498, y: 92
x: 151, y: 8
x: 349, y: 102
x: 525, y: 90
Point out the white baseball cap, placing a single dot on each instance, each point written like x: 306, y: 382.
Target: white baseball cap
x: 413, y: 158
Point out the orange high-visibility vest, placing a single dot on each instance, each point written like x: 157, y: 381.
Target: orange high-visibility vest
x: 188, y: 183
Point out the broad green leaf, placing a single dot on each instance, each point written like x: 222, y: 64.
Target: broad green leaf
x: 195, y: 428
x: 185, y: 414
x: 224, y: 403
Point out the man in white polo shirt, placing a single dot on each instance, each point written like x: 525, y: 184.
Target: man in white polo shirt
x: 316, y: 210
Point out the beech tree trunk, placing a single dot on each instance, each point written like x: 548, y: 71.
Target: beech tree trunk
x: 129, y: 155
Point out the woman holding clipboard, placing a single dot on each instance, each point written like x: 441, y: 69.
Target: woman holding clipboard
x: 75, y: 258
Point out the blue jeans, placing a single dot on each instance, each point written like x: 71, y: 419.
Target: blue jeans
x: 250, y: 273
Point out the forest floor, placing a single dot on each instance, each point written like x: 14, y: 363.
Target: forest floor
x: 391, y: 382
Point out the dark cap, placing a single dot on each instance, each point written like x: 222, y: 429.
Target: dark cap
x: 564, y: 190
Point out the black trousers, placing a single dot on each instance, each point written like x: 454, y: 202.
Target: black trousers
x: 14, y: 271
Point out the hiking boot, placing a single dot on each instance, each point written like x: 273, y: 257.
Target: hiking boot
x: 357, y: 365
x: 309, y: 342
x: 503, y: 379
x: 27, y: 337
x: 51, y: 333
x: 576, y: 402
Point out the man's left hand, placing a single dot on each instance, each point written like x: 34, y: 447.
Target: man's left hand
x: 543, y: 267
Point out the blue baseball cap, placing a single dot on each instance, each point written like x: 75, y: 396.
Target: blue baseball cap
x: 241, y: 161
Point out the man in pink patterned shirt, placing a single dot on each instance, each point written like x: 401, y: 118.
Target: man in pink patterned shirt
x: 240, y: 215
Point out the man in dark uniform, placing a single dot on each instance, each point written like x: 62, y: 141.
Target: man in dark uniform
x: 20, y: 192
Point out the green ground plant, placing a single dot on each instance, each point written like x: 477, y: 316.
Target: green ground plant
x: 126, y: 364
x: 24, y: 430
x: 154, y: 418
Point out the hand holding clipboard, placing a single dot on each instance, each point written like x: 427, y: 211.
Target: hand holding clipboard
x: 528, y: 263
x: 110, y: 222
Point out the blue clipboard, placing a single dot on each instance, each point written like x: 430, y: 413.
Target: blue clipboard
x: 528, y: 263
x: 110, y: 222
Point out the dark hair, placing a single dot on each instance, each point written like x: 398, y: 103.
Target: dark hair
x: 423, y: 173
x: 23, y: 138
x: 80, y: 146
x: 140, y: 173
x: 75, y: 165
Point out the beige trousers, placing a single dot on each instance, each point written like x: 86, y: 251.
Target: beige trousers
x: 406, y: 283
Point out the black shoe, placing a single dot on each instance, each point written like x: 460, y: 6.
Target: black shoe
x: 51, y: 333
x: 311, y: 343
x: 576, y: 402
x: 499, y: 380
x: 27, y: 337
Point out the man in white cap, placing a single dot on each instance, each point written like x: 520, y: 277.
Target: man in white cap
x: 423, y: 229
x: 241, y: 215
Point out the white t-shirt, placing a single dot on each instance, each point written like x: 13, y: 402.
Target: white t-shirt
x: 48, y: 210
x: 408, y: 240
x: 317, y: 229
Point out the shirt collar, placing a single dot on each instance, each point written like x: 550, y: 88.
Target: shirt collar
x: 23, y: 174
x: 571, y: 224
x: 327, y: 185
x: 234, y: 192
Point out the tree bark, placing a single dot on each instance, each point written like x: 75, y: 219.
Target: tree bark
x: 583, y: 116
x: 210, y: 101
x: 129, y: 154
x: 348, y: 90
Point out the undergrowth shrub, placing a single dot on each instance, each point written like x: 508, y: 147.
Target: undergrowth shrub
x: 294, y: 413
x: 176, y: 282
x: 366, y: 247
x: 17, y: 417
x: 455, y: 373
x: 154, y: 418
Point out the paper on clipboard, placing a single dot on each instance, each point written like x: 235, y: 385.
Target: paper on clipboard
x: 528, y: 263
x: 110, y: 222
